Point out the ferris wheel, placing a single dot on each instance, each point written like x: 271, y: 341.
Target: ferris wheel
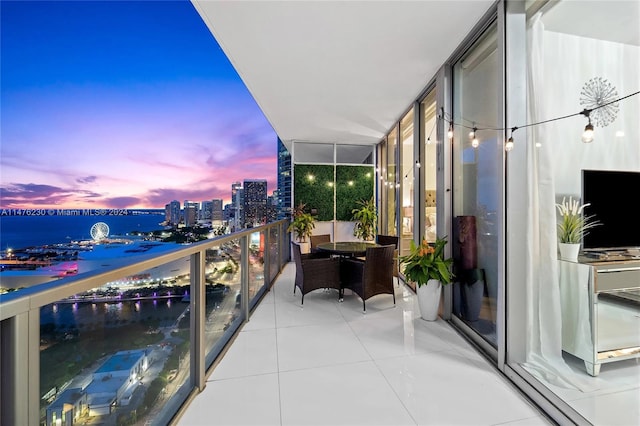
x: 99, y: 231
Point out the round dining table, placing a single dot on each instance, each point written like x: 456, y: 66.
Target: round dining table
x: 347, y: 248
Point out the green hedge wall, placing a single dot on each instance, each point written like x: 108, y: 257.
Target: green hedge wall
x: 316, y: 193
x: 353, y: 183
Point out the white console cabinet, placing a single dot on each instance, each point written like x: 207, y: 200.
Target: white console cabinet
x: 596, y: 328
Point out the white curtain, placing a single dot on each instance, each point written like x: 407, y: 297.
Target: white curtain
x: 544, y: 339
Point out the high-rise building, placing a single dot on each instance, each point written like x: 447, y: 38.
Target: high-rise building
x: 272, y: 206
x: 190, y: 213
x: 255, y: 202
x: 206, y: 208
x: 284, y: 181
x: 173, y: 216
x: 227, y: 214
x: 216, y: 212
x: 167, y: 213
x: 236, y: 206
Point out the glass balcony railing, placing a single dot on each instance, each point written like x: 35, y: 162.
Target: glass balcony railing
x: 129, y: 345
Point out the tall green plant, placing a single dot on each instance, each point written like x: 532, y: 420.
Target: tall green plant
x: 303, y: 224
x: 366, y: 217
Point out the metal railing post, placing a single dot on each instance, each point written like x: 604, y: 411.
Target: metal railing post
x: 197, y: 319
x: 244, y: 275
x: 267, y: 258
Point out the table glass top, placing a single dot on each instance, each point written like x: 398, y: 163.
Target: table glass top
x: 346, y: 246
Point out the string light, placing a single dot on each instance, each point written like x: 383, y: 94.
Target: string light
x: 509, y: 145
x: 475, y: 142
x: 587, y: 136
x: 416, y: 165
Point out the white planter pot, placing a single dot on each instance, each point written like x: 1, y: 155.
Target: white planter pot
x: 305, y: 247
x: 429, y: 299
x: 569, y: 251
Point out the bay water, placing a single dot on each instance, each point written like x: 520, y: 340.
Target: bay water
x: 21, y: 231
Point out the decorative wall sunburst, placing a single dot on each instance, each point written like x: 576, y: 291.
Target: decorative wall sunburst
x: 595, y: 93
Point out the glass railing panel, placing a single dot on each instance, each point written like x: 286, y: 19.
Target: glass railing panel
x: 223, y: 296
x: 256, y: 266
x: 116, y: 353
x: 120, y: 352
x: 274, y: 267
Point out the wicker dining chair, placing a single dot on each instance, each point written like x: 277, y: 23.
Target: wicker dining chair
x: 319, y: 239
x: 372, y: 276
x: 384, y: 240
x: 314, y: 272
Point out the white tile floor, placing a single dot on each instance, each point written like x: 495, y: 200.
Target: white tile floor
x: 327, y: 363
x: 615, y: 397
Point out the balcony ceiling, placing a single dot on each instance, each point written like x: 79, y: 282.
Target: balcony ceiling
x: 334, y: 71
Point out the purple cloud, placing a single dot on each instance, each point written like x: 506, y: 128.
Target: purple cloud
x: 87, y: 179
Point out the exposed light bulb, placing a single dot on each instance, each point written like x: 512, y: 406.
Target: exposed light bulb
x: 450, y: 132
x: 417, y: 164
x: 472, y: 134
x: 587, y: 135
x: 475, y: 142
x: 509, y: 145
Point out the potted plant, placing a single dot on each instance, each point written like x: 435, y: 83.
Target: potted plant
x: 366, y: 217
x: 427, y: 266
x: 302, y: 224
x: 572, y: 227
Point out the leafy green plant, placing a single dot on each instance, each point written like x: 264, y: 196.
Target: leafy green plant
x: 427, y: 262
x: 366, y: 217
x: 303, y: 223
x: 573, y: 225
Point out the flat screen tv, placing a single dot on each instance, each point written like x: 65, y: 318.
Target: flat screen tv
x: 612, y: 196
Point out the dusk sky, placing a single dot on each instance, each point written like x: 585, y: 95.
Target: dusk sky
x: 122, y: 104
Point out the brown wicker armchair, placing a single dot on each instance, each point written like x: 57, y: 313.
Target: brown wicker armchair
x: 391, y: 239
x: 372, y: 276
x: 319, y: 239
x: 314, y: 272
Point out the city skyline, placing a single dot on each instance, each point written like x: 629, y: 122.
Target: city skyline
x: 122, y: 105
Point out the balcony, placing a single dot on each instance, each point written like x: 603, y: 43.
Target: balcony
x: 327, y: 363
x: 134, y: 345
